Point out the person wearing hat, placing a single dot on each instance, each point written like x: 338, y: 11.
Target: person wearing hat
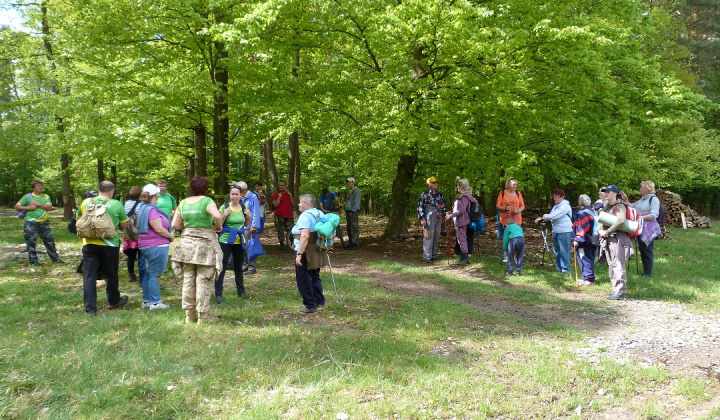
x: 617, y: 247
x: 154, y: 244
x: 352, y: 207
x: 431, y: 209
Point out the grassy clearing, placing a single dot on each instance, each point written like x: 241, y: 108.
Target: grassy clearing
x: 377, y: 355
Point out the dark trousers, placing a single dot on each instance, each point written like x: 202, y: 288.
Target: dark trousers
x: 131, y: 256
x: 283, y: 225
x: 647, y: 255
x: 353, y: 228
x: 469, y: 239
x: 96, y: 258
x: 31, y: 230
x: 309, y: 284
x: 236, y: 251
x: 586, y: 259
x: 516, y: 254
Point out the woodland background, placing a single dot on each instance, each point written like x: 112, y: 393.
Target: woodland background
x: 571, y: 94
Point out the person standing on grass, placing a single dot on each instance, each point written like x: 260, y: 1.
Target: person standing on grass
x: 36, y: 206
x: 352, y: 208
x: 262, y: 205
x: 130, y: 248
x: 154, y: 243
x: 166, y: 202
x: 250, y: 201
x: 649, y: 208
x: 514, y: 246
x: 197, y: 256
x: 617, y: 248
x: 461, y: 217
x: 583, y: 230
x: 561, y: 218
x: 431, y: 210
x: 236, y: 217
x: 308, y: 279
x: 103, y: 253
x: 284, y: 203
x: 510, y: 205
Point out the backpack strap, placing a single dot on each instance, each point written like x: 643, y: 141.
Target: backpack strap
x: 132, y: 210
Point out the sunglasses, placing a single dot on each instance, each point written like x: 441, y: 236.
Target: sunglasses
x: 234, y: 187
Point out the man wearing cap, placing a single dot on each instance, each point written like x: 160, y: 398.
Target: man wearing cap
x: 616, y: 247
x: 431, y: 209
x: 352, y: 207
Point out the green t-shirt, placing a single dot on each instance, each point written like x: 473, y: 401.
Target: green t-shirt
x: 195, y: 215
x: 166, y: 202
x: 37, y: 215
x: 116, y: 210
x: 236, y: 220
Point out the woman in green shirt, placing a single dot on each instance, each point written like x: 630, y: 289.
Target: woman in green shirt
x: 236, y: 217
x: 197, y: 257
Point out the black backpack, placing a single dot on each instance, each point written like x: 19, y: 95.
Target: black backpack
x: 662, y: 214
x: 475, y: 211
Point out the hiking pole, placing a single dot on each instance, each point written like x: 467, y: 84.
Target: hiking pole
x: 637, y: 266
x: 449, y: 239
x: 577, y: 280
x: 332, y: 277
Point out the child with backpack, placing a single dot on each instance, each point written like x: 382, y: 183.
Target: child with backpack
x: 514, y: 246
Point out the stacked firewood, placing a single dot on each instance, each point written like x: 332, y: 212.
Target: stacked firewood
x: 680, y: 214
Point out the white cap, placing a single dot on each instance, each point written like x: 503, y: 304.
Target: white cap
x: 151, y: 189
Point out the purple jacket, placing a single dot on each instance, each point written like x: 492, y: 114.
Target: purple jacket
x: 461, y: 213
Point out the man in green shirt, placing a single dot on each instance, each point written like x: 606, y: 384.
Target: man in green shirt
x: 166, y: 202
x: 36, y: 206
x: 104, y: 252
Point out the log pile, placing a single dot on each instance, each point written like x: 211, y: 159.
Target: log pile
x: 679, y: 213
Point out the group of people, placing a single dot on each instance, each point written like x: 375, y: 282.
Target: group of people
x: 592, y: 240
x: 212, y: 239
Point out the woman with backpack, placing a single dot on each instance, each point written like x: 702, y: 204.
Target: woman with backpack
x: 617, y: 247
x: 461, y: 216
x: 561, y: 217
x: 130, y: 248
x: 649, y: 208
x: 235, y: 217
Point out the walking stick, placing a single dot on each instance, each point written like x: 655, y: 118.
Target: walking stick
x: 637, y: 266
x: 577, y: 280
x: 449, y: 239
x: 332, y: 277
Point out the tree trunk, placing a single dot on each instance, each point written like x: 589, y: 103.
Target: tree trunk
x: 397, y: 222
x: 271, y: 168
x: 100, y: 170
x: 113, y: 173
x: 68, y: 201
x: 221, y: 122
x: 293, y: 155
x: 199, y: 144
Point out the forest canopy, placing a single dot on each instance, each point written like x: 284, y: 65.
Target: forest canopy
x: 569, y: 94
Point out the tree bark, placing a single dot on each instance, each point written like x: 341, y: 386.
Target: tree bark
x: 272, y: 169
x: 199, y: 144
x: 113, y: 172
x: 100, y: 170
x: 293, y: 156
x: 404, y: 175
x: 221, y: 122
x: 68, y: 198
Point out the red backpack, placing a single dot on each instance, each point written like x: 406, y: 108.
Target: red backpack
x: 632, y: 215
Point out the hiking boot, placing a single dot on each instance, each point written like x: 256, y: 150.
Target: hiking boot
x: 283, y: 247
x: 306, y: 310
x: 132, y: 277
x: 123, y: 301
x: 428, y: 261
x: 58, y: 261
x: 190, y: 316
x: 243, y: 295
x: 159, y: 305
x: 219, y: 299
x: 36, y: 264
x: 321, y: 307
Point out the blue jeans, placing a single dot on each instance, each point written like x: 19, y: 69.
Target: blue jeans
x: 142, y: 266
x: 156, y: 259
x: 561, y: 247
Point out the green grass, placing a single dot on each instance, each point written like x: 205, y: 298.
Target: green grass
x: 377, y: 355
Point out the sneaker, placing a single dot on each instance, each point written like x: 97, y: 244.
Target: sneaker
x: 146, y: 304
x: 159, y: 305
x: 509, y: 273
x: 321, y: 307
x: 583, y: 283
x: 518, y: 273
x: 616, y: 296
x: 123, y: 301
x: 504, y: 260
x: 306, y: 310
x: 219, y: 299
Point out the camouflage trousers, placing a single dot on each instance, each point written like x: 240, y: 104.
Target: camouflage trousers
x: 283, y: 225
x: 198, y: 284
x: 31, y: 230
